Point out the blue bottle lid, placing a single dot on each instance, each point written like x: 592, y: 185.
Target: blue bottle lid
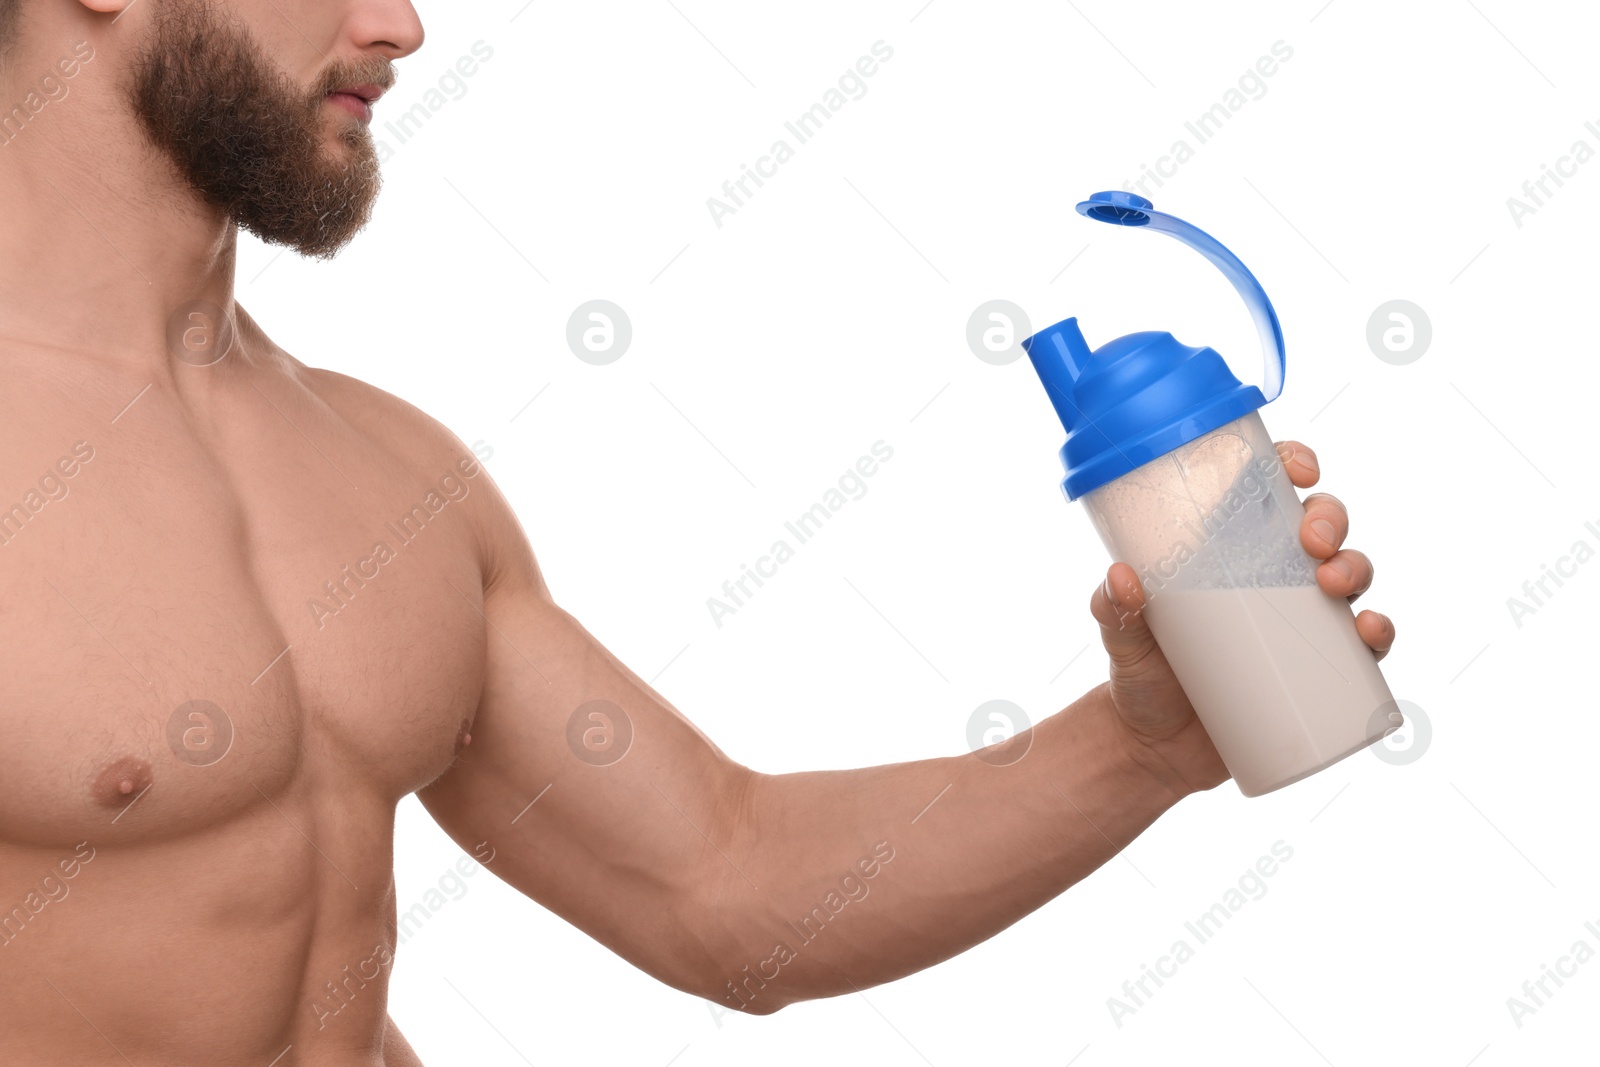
x: 1144, y: 394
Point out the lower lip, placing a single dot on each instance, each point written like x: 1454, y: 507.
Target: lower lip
x: 353, y: 104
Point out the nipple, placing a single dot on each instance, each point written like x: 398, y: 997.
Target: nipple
x: 463, y: 737
x: 121, y: 782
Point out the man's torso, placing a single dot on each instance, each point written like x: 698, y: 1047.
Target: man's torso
x: 242, y: 621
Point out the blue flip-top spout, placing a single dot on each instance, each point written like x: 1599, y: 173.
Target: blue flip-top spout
x: 1128, y: 209
x: 1142, y: 395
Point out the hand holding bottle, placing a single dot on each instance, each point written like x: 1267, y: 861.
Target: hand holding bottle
x: 1162, y: 728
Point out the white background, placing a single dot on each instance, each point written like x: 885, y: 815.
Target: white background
x: 830, y: 312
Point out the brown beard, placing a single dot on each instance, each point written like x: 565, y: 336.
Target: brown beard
x: 247, y: 138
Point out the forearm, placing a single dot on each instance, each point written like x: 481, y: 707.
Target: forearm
x: 839, y: 880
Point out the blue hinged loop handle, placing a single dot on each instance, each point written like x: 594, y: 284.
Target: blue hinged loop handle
x: 1128, y: 209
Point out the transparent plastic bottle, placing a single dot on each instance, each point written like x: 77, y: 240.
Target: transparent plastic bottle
x: 1181, y: 479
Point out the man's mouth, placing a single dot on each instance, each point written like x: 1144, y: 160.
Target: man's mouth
x: 357, y: 99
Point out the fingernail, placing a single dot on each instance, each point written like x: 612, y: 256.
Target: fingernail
x: 1310, y: 461
x: 1111, y: 594
x: 1324, y: 529
x: 1342, y: 567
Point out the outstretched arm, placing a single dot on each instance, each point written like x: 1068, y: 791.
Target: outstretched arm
x: 606, y: 805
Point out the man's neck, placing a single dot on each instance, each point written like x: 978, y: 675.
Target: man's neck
x: 102, y: 242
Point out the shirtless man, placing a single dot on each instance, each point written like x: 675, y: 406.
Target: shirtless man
x: 250, y: 605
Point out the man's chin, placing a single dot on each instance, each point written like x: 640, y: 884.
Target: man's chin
x: 345, y: 129
x: 322, y: 247
x: 346, y: 153
x: 327, y: 234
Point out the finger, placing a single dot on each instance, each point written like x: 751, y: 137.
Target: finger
x: 1346, y: 573
x: 1377, y: 631
x: 1118, y: 606
x: 1300, y: 462
x: 1323, y: 529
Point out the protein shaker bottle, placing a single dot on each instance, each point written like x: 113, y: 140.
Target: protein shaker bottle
x: 1170, y: 457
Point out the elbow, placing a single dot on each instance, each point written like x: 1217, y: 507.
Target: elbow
x: 732, y: 974
x: 753, y: 984
x: 767, y: 1006
x: 748, y: 996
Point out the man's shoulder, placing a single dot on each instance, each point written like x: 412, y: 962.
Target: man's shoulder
x: 430, y: 447
x: 378, y: 413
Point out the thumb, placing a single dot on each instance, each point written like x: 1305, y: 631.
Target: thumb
x: 1118, y: 606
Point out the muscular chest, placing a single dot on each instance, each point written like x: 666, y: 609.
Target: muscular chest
x: 192, y: 626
